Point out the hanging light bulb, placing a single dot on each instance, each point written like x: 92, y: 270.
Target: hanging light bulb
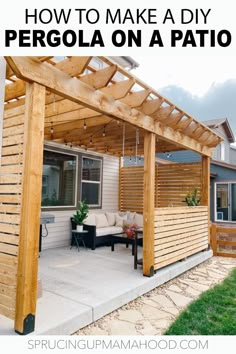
x: 85, y: 125
x: 104, y: 131
x: 71, y: 145
x: 91, y: 140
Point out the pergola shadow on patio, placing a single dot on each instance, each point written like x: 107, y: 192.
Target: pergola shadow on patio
x: 51, y: 100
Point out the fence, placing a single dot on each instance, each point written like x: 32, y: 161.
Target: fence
x: 222, y: 242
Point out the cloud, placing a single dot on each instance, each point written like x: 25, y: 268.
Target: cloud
x: 218, y: 102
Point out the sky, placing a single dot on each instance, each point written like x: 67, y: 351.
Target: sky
x: 194, y: 74
x: 204, y: 87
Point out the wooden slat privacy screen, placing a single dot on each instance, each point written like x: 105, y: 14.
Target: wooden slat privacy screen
x: 179, y: 233
x: 10, y: 206
x: 173, y: 182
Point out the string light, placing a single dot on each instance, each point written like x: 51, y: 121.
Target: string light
x: 85, y: 125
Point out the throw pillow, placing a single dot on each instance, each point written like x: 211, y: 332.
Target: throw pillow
x: 111, y: 218
x: 90, y: 220
x: 138, y: 219
x: 101, y: 220
x: 120, y: 220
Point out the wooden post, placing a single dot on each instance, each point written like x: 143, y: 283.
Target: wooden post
x: 149, y: 203
x: 27, y: 274
x: 205, y: 195
x: 214, y: 239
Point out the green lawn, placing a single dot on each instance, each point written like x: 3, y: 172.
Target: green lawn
x: 213, y: 313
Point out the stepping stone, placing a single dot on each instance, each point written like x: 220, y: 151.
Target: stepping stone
x: 196, y: 286
x: 130, y: 316
x: 173, y: 310
x: 179, y: 299
x: 216, y: 275
x: 96, y: 331
x: 175, y: 288
x: 122, y: 328
x: 151, y: 303
x: 163, y: 324
x: 148, y: 329
x: 163, y: 301
x: 192, y: 291
x: 150, y: 312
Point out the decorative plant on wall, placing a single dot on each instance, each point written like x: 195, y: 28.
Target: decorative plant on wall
x: 192, y: 199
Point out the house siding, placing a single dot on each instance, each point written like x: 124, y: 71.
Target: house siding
x: 232, y: 155
x: 223, y: 174
x: 217, y: 151
x: 59, y: 233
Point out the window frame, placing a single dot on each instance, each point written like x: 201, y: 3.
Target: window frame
x: 100, y: 183
x: 229, y: 184
x: 78, y: 177
x: 64, y: 207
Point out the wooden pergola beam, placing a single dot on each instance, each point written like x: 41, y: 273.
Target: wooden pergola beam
x: 77, y: 91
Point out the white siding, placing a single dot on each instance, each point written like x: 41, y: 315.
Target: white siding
x: 59, y: 233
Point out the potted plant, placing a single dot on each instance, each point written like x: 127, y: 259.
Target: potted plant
x: 80, y: 214
x: 192, y: 199
x: 130, y: 229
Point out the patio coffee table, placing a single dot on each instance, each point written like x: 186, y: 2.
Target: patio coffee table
x: 122, y: 238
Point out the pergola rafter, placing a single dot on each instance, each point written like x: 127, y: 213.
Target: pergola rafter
x: 98, y: 94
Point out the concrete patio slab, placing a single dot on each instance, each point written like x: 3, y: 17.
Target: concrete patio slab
x: 81, y: 287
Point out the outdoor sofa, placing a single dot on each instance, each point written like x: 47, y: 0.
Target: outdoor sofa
x: 101, y: 226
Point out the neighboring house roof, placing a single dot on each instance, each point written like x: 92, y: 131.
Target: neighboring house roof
x: 214, y: 123
x: 223, y: 164
x: 126, y: 62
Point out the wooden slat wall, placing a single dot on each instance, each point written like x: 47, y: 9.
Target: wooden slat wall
x: 10, y: 206
x: 179, y: 233
x: 131, y: 188
x: 174, y: 181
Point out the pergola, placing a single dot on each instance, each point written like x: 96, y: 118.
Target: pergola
x: 51, y: 100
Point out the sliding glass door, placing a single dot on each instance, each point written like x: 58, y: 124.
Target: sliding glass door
x: 225, y: 201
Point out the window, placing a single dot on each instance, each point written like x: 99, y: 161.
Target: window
x: 59, y: 179
x: 91, y: 181
x: 222, y: 151
x: 225, y: 197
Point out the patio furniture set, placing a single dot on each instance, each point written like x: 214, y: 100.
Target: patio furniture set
x: 107, y: 229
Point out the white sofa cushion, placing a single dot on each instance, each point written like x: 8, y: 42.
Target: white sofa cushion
x: 120, y: 221
x: 111, y: 218
x: 101, y: 220
x: 90, y: 220
x: 110, y: 230
x: 138, y: 219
